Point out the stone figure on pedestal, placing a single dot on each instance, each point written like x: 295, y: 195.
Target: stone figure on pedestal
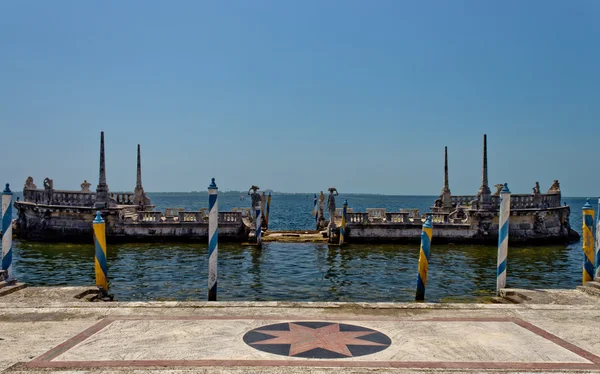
x: 321, y: 206
x: 255, y: 199
x: 49, y: 187
x: 263, y: 204
x: 29, y: 185
x: 331, y: 205
x: 85, y: 186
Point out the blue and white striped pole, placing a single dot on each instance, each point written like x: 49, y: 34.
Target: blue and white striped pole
x: 344, y: 220
x: 7, y: 231
x: 503, y: 226
x: 258, y: 226
x: 315, y: 209
x: 213, y: 239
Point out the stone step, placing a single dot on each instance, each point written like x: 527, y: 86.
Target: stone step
x: 589, y: 290
x: 594, y: 284
x: 13, y: 288
x: 4, y: 283
x: 513, y: 299
x: 499, y: 300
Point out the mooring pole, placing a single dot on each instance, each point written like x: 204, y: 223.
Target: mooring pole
x: 100, y: 262
x: 503, y: 226
x: 268, y: 211
x: 424, y: 258
x: 7, y: 231
x: 213, y: 239
x: 588, y: 241
x: 258, y: 226
x: 316, y: 210
x: 343, y: 227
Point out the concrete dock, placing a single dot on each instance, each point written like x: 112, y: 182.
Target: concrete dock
x: 49, y: 330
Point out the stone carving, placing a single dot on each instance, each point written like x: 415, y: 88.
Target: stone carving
x: 459, y: 216
x: 48, y: 184
x: 536, y: 189
x: 29, y: 185
x: 321, y: 206
x: 331, y: 202
x: 85, y: 186
x: 498, y: 189
x: 255, y: 198
x: 539, y: 225
x: 555, y: 188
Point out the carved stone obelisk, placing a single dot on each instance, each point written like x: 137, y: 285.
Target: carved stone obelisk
x: 484, y: 194
x: 139, y: 196
x: 102, y: 192
x: 446, y: 196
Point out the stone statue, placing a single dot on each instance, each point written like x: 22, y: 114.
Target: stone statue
x: 255, y: 198
x: 85, y: 186
x: 48, y: 184
x: 29, y: 185
x: 321, y: 206
x: 498, y: 189
x: 263, y: 203
x: 331, y: 203
x: 536, y: 189
x: 555, y: 188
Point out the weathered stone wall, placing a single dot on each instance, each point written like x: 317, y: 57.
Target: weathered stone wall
x: 526, y: 226
x: 74, y: 224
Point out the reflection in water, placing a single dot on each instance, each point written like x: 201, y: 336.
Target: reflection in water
x: 298, y: 271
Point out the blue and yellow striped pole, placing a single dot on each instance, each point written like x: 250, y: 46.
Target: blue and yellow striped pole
x: 343, y: 227
x: 588, y: 242
x: 268, y: 211
x: 503, y: 226
x: 101, y: 264
x: 424, y: 258
x: 7, y: 231
x: 213, y: 239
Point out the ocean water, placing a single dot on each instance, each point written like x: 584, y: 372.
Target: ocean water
x: 301, y: 271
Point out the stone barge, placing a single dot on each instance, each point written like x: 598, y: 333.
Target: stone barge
x: 58, y: 215
x: 536, y: 218
x: 65, y: 216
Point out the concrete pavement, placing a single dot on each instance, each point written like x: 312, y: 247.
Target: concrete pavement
x: 47, y: 329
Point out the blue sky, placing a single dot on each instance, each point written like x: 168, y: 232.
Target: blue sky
x: 302, y: 95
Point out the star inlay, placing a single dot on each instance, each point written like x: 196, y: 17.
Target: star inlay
x: 325, y: 336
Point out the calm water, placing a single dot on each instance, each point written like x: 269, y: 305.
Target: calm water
x: 301, y: 271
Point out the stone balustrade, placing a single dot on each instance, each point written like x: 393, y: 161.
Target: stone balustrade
x: 230, y: 217
x: 401, y: 217
x: 462, y: 200
x: 179, y: 216
x: 357, y: 217
x: 59, y: 197
x: 244, y: 211
x: 173, y: 212
x: 517, y: 201
x: 338, y: 211
x: 150, y: 216
x: 122, y: 198
x: 191, y: 217
x: 376, y: 214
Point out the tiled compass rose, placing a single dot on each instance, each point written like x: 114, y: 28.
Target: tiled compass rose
x: 317, y: 340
